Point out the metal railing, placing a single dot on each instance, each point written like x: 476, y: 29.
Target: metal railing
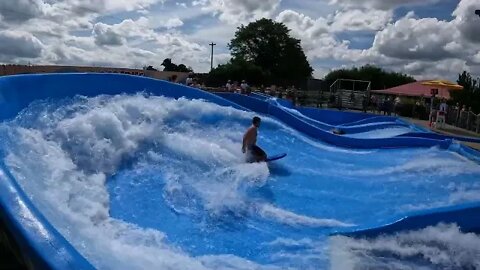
x: 346, y: 93
x: 464, y: 119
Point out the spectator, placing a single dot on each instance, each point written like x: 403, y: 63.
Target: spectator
x: 397, y: 103
x: 373, y: 103
x: 244, y: 87
x: 228, y: 86
x: 189, y: 81
x: 387, y: 106
x: 364, y: 103
x: 416, y: 109
x: 379, y: 105
x: 235, y: 87
x: 441, y: 114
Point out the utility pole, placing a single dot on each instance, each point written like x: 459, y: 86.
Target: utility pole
x: 211, y: 56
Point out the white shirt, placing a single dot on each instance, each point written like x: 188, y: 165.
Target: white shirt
x: 244, y: 86
x: 189, y: 81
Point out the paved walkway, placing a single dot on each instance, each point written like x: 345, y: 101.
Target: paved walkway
x: 449, y: 130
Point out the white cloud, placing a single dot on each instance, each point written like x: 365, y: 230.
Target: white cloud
x: 82, y: 7
x: 476, y: 58
x: 118, y: 34
x: 172, y: 23
x: 303, y: 26
x: 361, y: 20
x: 423, y: 47
x: 184, y: 5
x: 411, y: 38
x: 467, y: 21
x: 106, y: 35
x: 221, y: 58
x: 317, y: 37
x: 445, y: 68
x: 80, y: 32
x: 381, y: 4
x: 127, y: 5
x: 239, y: 11
x: 14, y: 44
x: 21, y: 10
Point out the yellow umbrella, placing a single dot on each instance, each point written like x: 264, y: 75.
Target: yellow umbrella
x: 443, y: 84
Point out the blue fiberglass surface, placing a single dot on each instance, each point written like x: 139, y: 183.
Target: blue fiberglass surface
x: 139, y: 181
x: 166, y: 178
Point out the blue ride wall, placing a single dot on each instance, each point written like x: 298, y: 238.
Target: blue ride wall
x: 311, y: 130
x: 40, y: 243
x: 45, y: 248
x: 334, y: 117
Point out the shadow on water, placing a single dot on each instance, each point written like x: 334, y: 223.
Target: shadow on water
x: 263, y: 193
x: 278, y: 170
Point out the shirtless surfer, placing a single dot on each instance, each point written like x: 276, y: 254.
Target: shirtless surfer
x: 249, y: 146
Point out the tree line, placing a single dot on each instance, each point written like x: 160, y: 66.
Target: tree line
x: 470, y: 95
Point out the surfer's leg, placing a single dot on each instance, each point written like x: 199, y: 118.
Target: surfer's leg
x: 259, y: 153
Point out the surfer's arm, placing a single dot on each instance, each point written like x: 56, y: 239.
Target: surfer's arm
x: 246, y: 139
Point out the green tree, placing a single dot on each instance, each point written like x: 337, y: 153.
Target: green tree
x: 236, y: 70
x: 269, y: 46
x: 170, y: 66
x: 150, y: 68
x: 379, y: 78
x: 470, y: 95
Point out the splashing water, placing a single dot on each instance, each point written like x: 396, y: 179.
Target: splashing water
x: 438, y: 247
x: 145, y: 182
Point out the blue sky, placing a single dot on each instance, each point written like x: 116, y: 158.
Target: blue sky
x: 426, y: 39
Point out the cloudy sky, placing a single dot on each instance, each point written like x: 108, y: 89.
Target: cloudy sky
x: 424, y: 38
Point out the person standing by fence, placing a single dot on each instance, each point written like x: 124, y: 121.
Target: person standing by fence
x: 441, y: 114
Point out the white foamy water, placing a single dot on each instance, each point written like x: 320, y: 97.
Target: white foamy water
x: 63, y: 155
x: 430, y: 161
x: 293, y: 219
x: 380, y: 133
x: 439, y: 247
x: 63, y: 166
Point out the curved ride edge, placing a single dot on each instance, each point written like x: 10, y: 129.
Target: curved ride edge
x: 433, y: 135
x: 284, y: 102
x: 336, y: 117
x: 465, y: 216
x: 42, y: 246
x: 18, y: 91
x: 370, y: 120
x: 308, y: 129
x: 359, y: 127
x: 466, y: 151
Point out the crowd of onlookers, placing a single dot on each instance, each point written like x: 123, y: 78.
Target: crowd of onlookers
x: 441, y: 113
x: 291, y: 93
